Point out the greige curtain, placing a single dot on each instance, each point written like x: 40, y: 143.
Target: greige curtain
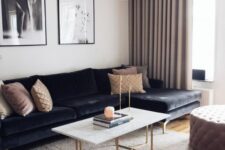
x: 160, y: 37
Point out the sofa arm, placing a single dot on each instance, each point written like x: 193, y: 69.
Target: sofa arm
x: 154, y: 83
x: 0, y: 126
x: 1, y: 148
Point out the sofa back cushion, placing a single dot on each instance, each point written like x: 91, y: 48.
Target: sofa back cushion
x: 102, y: 79
x: 70, y: 85
x: 27, y: 82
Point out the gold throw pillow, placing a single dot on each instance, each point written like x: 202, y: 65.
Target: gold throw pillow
x: 124, y: 82
x: 42, y: 97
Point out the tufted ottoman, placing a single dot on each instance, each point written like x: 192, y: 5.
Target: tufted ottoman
x: 207, y: 131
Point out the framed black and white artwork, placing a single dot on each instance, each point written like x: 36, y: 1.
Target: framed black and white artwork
x: 22, y: 23
x: 76, y: 21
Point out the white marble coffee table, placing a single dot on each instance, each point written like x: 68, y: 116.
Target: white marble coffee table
x: 85, y: 131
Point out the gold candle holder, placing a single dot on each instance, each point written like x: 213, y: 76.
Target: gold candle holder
x: 129, y: 94
x: 120, y: 91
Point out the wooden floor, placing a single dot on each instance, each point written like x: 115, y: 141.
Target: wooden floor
x: 180, y: 125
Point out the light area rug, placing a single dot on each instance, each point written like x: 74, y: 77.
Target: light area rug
x: 168, y: 141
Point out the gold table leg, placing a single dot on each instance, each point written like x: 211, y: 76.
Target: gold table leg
x: 78, y: 145
x: 164, y: 126
x: 117, y: 143
x: 151, y: 137
x: 146, y: 135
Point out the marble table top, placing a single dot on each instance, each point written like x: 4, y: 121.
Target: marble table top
x: 84, y: 130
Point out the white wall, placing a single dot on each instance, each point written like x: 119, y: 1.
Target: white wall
x: 110, y: 48
x: 219, y: 84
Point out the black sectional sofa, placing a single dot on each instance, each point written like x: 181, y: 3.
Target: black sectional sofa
x: 81, y: 94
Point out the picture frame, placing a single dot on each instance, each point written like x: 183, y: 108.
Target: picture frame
x: 23, y: 23
x: 76, y: 22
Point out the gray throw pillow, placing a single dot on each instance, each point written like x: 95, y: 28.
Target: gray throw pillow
x: 144, y: 71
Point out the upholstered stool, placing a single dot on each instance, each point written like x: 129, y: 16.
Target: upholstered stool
x: 207, y: 131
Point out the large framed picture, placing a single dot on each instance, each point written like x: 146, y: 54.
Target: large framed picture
x: 22, y: 23
x: 76, y: 21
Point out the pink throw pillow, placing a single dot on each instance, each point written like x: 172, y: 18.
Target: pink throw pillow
x: 18, y: 98
x: 127, y: 71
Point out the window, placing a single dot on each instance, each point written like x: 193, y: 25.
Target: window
x: 204, y: 37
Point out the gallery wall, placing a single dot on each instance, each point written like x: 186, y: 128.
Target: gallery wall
x: 110, y: 48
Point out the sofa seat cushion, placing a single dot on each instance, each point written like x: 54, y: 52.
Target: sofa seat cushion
x: 91, y: 104
x: 18, y: 124
x: 164, y: 100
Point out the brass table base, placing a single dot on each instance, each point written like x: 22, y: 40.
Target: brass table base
x: 78, y: 145
x: 135, y: 147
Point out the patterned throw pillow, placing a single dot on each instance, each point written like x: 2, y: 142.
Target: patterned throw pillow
x: 18, y: 98
x: 134, y: 82
x: 42, y: 97
x: 5, y: 109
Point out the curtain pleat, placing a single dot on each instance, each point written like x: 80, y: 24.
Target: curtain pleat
x: 163, y: 64
x: 151, y: 40
x: 160, y: 32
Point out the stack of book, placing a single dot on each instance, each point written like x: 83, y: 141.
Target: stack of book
x: 117, y: 120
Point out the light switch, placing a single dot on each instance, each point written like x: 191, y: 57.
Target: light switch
x: 0, y: 57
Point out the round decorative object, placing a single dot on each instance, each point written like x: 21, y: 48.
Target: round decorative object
x: 109, y: 112
x: 207, y: 128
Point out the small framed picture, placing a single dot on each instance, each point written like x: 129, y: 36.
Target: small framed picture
x: 22, y: 23
x: 76, y: 21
